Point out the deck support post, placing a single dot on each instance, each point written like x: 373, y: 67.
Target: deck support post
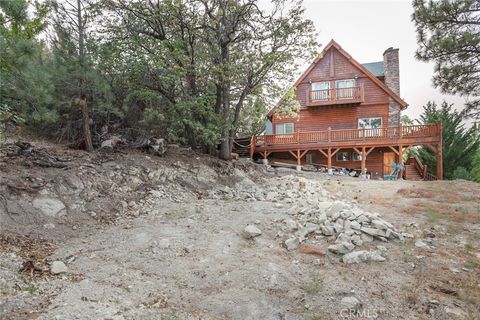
x: 364, y: 160
x: 439, y: 162
x: 329, y: 158
x: 400, y: 154
x: 299, y: 160
x: 265, y: 157
x: 440, y: 154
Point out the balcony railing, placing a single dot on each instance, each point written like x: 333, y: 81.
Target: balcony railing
x: 335, y: 96
x: 330, y: 137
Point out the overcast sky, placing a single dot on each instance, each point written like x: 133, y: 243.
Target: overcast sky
x: 366, y: 28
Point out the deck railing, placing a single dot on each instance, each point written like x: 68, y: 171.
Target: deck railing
x: 348, y: 135
x: 335, y: 95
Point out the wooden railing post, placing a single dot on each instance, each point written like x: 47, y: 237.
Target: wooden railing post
x: 400, y: 133
x: 298, y: 136
x: 329, y: 134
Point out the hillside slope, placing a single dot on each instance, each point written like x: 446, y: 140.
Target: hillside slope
x: 127, y: 235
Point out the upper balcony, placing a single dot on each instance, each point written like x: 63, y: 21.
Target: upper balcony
x: 335, y: 96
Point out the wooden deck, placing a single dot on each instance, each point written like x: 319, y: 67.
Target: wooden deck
x: 363, y: 141
x: 353, y: 95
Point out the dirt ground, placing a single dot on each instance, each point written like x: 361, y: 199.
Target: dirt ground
x: 148, y: 237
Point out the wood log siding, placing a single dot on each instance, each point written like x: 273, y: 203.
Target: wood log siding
x: 339, y: 117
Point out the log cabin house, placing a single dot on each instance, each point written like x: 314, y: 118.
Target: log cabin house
x: 349, y: 117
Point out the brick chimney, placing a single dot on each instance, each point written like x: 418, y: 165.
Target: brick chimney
x: 391, y: 71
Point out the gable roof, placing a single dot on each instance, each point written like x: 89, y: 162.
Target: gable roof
x: 362, y: 68
x: 376, y: 68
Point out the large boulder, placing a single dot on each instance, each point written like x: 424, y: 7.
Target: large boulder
x: 51, y: 207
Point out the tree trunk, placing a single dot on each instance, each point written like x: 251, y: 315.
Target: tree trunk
x: 87, y: 134
x: 192, y: 142
x: 86, y: 125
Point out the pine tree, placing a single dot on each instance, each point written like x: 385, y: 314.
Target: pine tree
x: 459, y: 143
x: 448, y: 33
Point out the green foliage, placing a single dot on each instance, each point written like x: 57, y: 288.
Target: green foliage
x: 18, y: 29
x: 406, y: 120
x: 288, y: 107
x: 476, y: 166
x: 462, y: 173
x: 448, y: 33
x: 459, y: 143
x: 196, y: 72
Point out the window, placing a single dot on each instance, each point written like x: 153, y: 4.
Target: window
x: 372, y: 125
x: 345, y: 88
x: 356, y: 156
x: 320, y: 91
x: 284, y: 128
x: 343, y: 156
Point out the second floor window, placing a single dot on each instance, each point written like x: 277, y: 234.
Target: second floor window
x: 373, y: 125
x: 320, y: 91
x: 345, y: 88
x: 370, y: 123
x: 284, y: 128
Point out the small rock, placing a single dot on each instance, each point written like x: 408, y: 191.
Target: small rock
x: 351, y: 303
x: 455, y: 313
x: 164, y: 244
x: 49, y: 226
x: 366, y: 238
x: 188, y: 248
x: 291, y: 224
x: 440, y: 229
x: 355, y: 225
x: 423, y: 245
x: 373, y: 232
x: 341, y: 248
x: 58, y: 267
x: 292, y: 243
x: 362, y: 256
x: 251, y: 231
x: 328, y: 230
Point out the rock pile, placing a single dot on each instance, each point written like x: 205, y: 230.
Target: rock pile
x: 350, y: 225
x: 317, y: 212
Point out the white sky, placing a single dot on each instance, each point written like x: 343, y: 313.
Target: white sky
x: 366, y: 28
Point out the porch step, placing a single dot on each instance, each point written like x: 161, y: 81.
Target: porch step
x: 411, y: 173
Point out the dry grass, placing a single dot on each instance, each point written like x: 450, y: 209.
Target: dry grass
x: 314, y: 284
x: 416, y: 193
x: 436, y: 211
x: 411, y: 296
